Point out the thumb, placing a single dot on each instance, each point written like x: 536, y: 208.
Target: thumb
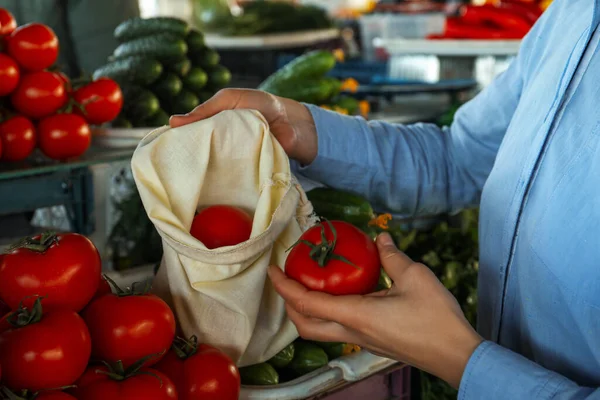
x: 393, y: 260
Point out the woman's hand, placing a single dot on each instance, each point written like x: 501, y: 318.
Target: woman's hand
x: 417, y: 321
x: 290, y: 122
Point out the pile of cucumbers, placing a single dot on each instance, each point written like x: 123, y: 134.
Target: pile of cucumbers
x: 305, y: 79
x: 164, y: 67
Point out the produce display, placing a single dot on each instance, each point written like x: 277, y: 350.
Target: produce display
x: 164, y: 68
x: 105, y: 344
x: 259, y: 17
x: 305, y: 79
x: 503, y: 20
x: 39, y: 105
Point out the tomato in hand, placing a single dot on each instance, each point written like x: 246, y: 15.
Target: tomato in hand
x: 54, y: 395
x: 34, y: 46
x: 7, y: 22
x: 101, y: 99
x: 142, y: 384
x: 64, y: 136
x: 335, y: 257
x: 9, y: 75
x: 39, y: 94
x: 221, y: 225
x: 200, y: 372
x: 64, y: 269
x: 44, y: 350
x: 130, y: 325
x: 17, y: 136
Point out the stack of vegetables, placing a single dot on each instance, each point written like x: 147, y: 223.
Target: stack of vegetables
x: 53, y: 301
x: 502, y: 20
x: 39, y: 105
x: 164, y: 68
x: 305, y: 79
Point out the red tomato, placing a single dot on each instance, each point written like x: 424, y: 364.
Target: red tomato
x: 51, y: 351
x: 64, y: 136
x: 17, y: 136
x: 148, y: 384
x: 101, y: 99
x: 39, y: 94
x: 34, y: 46
x: 325, y: 271
x: 220, y: 225
x: 7, y: 22
x: 129, y: 327
x: 9, y: 75
x: 4, y: 309
x: 103, y: 288
x: 65, y: 80
x: 66, y: 272
x: 54, y: 395
x: 204, y: 373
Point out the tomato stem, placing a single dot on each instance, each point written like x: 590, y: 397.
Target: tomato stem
x: 39, y: 245
x: 323, y: 252
x: 23, y: 316
x: 7, y: 394
x: 118, y: 372
x: 185, y: 348
x: 130, y: 291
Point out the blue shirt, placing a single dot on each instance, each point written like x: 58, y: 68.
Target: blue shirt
x: 527, y: 150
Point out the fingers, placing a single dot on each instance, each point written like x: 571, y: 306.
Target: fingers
x: 341, y: 309
x: 318, y: 329
x: 393, y: 260
x: 227, y: 99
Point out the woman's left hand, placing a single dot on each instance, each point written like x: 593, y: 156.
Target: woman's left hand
x: 417, y: 321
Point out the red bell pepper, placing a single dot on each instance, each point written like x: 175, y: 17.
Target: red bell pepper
x: 489, y: 15
x: 457, y: 28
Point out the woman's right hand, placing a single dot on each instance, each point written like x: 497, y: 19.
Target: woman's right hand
x: 290, y: 122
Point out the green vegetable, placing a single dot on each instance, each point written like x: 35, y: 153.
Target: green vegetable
x: 312, y: 92
x: 181, y: 67
x: 385, y: 282
x: 204, y: 95
x: 219, y: 77
x: 136, y: 69
x: 312, y: 65
x: 195, y: 41
x: 121, y: 122
x: 135, y: 28
x: 307, y: 358
x: 196, y: 79
x: 160, y: 118
x: 259, y: 375
x: 163, y: 47
x: 139, y: 103
x: 205, y: 58
x: 336, y: 349
x: 284, y: 357
x: 347, y: 103
x: 183, y: 103
x: 336, y: 205
x: 168, y: 86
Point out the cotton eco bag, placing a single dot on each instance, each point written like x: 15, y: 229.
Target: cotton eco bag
x: 223, y: 295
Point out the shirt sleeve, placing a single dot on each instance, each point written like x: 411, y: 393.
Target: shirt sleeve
x: 420, y: 169
x: 496, y: 373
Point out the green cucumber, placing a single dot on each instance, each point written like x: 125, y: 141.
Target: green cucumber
x: 337, y: 349
x: 205, y: 58
x: 121, y: 122
x: 160, y: 118
x: 308, y: 91
x: 312, y: 65
x: 139, y: 103
x: 195, y: 41
x: 348, y: 103
x: 136, y: 69
x: 168, y: 86
x: 196, y: 79
x: 135, y: 28
x: 308, y: 357
x: 259, y: 375
x: 181, y: 67
x: 183, y: 103
x: 163, y: 47
x: 284, y: 357
x: 219, y: 77
x: 205, y: 95
x: 336, y: 205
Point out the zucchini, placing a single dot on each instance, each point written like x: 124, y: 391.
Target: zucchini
x: 195, y: 41
x: 183, y: 103
x: 181, y: 67
x: 135, y: 28
x: 160, y: 118
x: 139, y: 103
x: 337, y: 349
x: 259, y: 375
x: 205, y: 58
x: 219, y: 77
x: 284, y: 357
x: 336, y: 205
x: 196, y: 79
x: 312, y: 65
x: 163, y: 47
x: 168, y: 86
x: 307, y: 358
x: 136, y: 69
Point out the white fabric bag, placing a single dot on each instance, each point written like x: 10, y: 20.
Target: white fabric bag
x: 223, y: 295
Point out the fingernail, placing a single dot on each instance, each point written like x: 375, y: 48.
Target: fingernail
x: 385, y: 239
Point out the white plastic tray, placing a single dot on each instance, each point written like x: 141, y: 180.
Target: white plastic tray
x: 118, y: 138
x: 457, y: 48
x: 272, y: 41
